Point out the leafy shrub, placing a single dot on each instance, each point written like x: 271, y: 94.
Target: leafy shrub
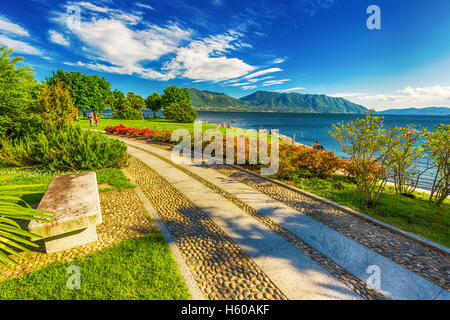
x: 369, y: 146
x: 180, y: 111
x: 69, y: 149
x: 307, y: 161
x: 55, y: 105
x: 128, y: 114
x: 17, y: 152
x: 406, y: 156
x: 322, y: 163
x: 437, y: 146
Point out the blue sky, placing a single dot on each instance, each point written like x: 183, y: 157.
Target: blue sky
x: 238, y: 47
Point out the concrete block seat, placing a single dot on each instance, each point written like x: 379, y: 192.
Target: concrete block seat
x: 75, y: 202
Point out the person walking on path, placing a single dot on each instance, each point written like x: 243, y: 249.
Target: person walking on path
x: 91, y: 119
x: 96, y: 120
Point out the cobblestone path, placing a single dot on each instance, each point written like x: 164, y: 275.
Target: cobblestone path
x: 431, y: 264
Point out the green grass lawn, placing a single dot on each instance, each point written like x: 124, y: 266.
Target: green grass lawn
x: 413, y: 215
x: 111, y: 179
x: 134, y: 269
x: 156, y: 124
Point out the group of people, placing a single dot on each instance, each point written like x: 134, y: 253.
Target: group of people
x: 272, y: 131
x: 317, y: 146
x: 93, y: 118
x: 223, y: 125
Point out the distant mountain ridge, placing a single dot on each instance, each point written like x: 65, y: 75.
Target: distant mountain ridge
x: 430, y: 111
x: 273, y: 102
x: 202, y: 98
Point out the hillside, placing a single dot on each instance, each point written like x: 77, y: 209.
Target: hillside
x: 213, y: 99
x: 297, y: 102
x: 430, y: 111
x: 273, y: 102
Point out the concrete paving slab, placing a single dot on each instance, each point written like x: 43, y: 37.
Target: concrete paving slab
x: 396, y: 282
x: 305, y: 279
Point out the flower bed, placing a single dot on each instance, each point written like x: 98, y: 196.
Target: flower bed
x: 163, y: 136
x: 292, y: 159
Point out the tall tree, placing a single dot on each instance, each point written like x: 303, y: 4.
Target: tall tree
x: 18, y: 91
x: 153, y: 102
x: 88, y: 92
x: 116, y: 100
x: 135, y: 101
x: 122, y: 106
x: 173, y: 94
x: 180, y: 112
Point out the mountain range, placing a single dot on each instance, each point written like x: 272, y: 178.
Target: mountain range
x: 273, y: 102
x: 266, y: 101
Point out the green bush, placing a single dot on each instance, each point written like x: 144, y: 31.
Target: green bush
x: 69, y: 149
x: 180, y: 112
x: 128, y: 114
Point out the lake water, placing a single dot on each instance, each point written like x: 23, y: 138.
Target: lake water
x: 309, y: 127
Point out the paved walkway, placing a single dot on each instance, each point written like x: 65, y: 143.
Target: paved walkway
x: 302, y: 257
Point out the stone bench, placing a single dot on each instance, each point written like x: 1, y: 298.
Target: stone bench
x: 75, y: 202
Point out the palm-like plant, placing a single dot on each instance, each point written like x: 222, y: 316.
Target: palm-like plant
x: 12, y: 236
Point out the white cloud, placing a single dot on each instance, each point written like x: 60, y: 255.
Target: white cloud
x: 262, y: 72
x: 253, y: 80
x: 10, y: 27
x: 248, y: 87
x: 425, y: 92
x: 123, y: 49
x: 278, y: 60
x: 19, y: 46
x: 13, y: 29
x: 292, y: 89
x: 58, y: 38
x: 79, y: 63
x: 101, y: 12
x: 274, y: 82
x: 114, y: 44
x: 206, y: 60
x: 407, y: 97
x: 240, y: 84
x: 92, y: 7
x: 145, y: 6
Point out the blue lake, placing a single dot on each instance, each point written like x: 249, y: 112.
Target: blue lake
x: 309, y: 127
